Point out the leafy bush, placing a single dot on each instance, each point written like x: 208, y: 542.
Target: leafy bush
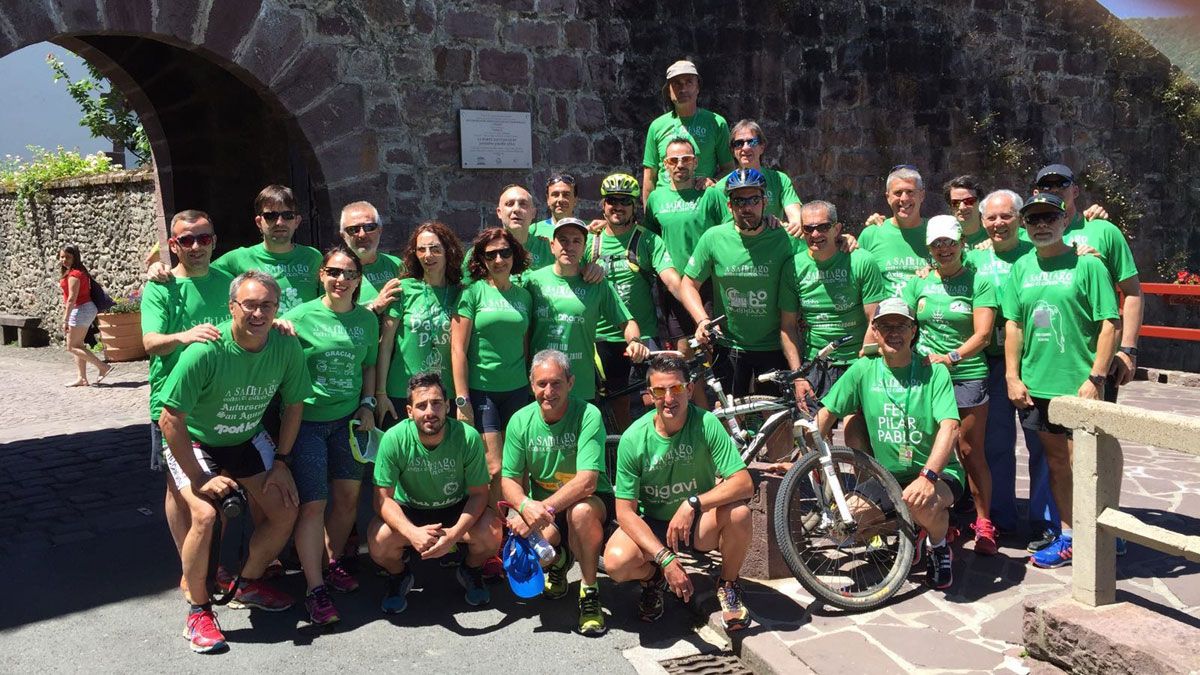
x: 127, y: 304
x: 28, y: 177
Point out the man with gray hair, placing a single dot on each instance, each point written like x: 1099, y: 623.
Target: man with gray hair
x: 558, y: 441
x: 898, y: 245
x: 361, y: 229
x: 213, y: 404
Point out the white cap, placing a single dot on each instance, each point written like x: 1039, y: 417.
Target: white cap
x: 682, y: 68
x: 942, y: 227
x: 893, y: 307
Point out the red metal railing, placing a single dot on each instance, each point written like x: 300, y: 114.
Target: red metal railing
x: 1168, y: 291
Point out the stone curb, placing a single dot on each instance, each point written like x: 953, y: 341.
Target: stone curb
x: 760, y: 650
x: 1176, y: 377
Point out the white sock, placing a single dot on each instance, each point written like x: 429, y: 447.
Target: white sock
x: 937, y: 544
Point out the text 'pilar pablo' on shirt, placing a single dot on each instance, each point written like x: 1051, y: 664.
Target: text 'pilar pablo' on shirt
x: 828, y: 296
x: 1059, y: 302
x: 631, y: 270
x: 566, y: 312
x: 422, y: 314
x: 431, y: 478
x: 677, y: 218
x: 708, y: 130
x: 337, y: 346
x: 224, y: 389
x: 296, y: 270
x: 662, y: 472
x: 377, y: 274
x: 552, y: 454
x: 903, y: 408
x: 174, y: 306
x: 996, y: 266
x: 898, y: 251
x: 496, y: 348
x: 779, y: 193
x: 946, y: 314
x: 746, y: 273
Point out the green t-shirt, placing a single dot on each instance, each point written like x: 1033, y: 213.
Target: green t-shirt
x: 422, y: 334
x: 746, y: 273
x: 566, y: 312
x: 903, y: 408
x: 337, y: 346
x: 224, y: 389
x: 946, y: 314
x: 296, y: 270
x: 176, y: 305
x: 829, y: 296
x: 661, y: 473
x: 538, y: 247
x: 1109, y: 242
x: 377, y: 274
x: 708, y: 130
x: 677, y: 218
x: 496, y: 351
x: 899, y: 252
x: 632, y: 287
x: 972, y: 239
x: 996, y: 267
x: 779, y: 189
x: 427, y: 478
x: 554, y: 453
x: 1059, y: 302
x: 543, y: 228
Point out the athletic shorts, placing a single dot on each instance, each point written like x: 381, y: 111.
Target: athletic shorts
x: 970, y: 393
x: 738, y: 369
x: 659, y: 528
x: 158, y: 448
x: 244, y: 460
x: 609, y: 524
x: 1037, y: 418
x: 873, y: 491
x: 445, y: 516
x: 679, y: 321
x: 321, y: 454
x: 617, y: 367
x: 82, y: 315
x: 822, y: 380
x: 493, y: 409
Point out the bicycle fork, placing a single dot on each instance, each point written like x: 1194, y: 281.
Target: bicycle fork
x: 825, y: 457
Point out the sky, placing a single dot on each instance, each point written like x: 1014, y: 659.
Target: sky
x: 1128, y: 9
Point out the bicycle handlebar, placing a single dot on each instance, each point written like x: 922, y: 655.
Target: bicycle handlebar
x: 783, y: 377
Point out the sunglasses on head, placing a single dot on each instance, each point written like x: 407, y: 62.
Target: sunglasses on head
x: 619, y: 201
x: 750, y: 142
x: 189, y: 240
x: 272, y: 216
x: 661, y: 392
x: 746, y: 201
x: 817, y: 227
x: 339, y: 273
x: 498, y: 254
x: 965, y: 201
x: 1044, y: 218
x: 561, y: 178
x: 354, y: 230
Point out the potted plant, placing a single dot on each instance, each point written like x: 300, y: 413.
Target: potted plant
x: 121, y: 328
x: 1185, y: 277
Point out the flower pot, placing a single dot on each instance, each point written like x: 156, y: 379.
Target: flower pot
x: 122, y: 336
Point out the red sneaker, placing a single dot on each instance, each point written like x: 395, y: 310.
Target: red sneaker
x: 204, y: 632
x: 985, y: 537
x: 256, y: 593
x: 493, y: 570
x: 339, y: 579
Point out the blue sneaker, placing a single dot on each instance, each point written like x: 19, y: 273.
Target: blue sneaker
x: 395, y: 598
x: 1056, y: 554
x: 471, y: 579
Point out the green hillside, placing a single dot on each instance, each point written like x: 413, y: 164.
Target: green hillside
x: 1177, y: 38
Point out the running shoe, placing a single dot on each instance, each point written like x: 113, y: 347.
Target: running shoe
x: 1054, y: 555
x: 939, y: 572
x: 919, y: 546
x: 650, y: 604
x: 453, y: 557
x: 493, y: 570
x: 591, y: 614
x: 339, y: 579
x: 395, y: 597
x: 1047, y: 537
x: 471, y: 578
x: 204, y: 632
x: 985, y: 537
x: 255, y: 593
x: 556, y: 575
x: 320, y: 607
x: 224, y: 579
x: 734, y: 615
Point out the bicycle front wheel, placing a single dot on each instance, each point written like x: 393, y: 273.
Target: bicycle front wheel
x: 851, y: 565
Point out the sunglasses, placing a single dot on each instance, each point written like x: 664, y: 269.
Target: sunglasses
x: 1055, y: 184
x: 750, y: 142
x: 355, y: 230
x: 965, y: 201
x: 272, y: 216
x: 818, y: 227
x: 339, y: 273
x: 619, y: 201
x: 561, y: 178
x: 189, y: 240
x: 680, y: 159
x: 943, y: 243
x: 660, y: 393
x: 498, y: 254
x: 1046, y: 218
x: 746, y: 201
x: 253, y: 307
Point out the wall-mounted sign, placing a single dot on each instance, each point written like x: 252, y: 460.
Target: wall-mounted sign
x: 495, y: 140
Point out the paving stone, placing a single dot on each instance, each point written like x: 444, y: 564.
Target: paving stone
x: 914, y: 645
x: 843, y: 652
x: 1006, y: 626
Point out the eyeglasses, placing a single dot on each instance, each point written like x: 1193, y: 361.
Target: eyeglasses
x: 618, y: 201
x: 272, y: 216
x: 943, y: 243
x: 892, y: 327
x: 679, y: 159
x: 750, y: 142
x: 339, y: 273
x: 189, y: 240
x: 965, y: 201
x: 746, y: 201
x: 355, y: 230
x: 255, y: 307
x: 1045, y: 218
x: 498, y: 254
x: 818, y: 227
x: 660, y: 393
x: 1055, y: 184
x: 561, y: 178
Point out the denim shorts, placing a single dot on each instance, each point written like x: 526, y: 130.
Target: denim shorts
x: 82, y: 315
x: 322, y: 454
x: 493, y: 409
x: 970, y: 393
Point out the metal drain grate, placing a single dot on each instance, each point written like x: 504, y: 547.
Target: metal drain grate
x: 719, y: 663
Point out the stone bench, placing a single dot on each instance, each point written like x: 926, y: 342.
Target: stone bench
x: 21, y: 329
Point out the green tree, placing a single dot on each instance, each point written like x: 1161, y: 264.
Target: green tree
x: 106, y: 112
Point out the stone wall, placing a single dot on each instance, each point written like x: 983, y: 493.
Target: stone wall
x: 110, y: 218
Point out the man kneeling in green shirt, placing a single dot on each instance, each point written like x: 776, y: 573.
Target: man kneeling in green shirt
x: 667, y: 463
x: 431, y: 484
x: 558, y: 441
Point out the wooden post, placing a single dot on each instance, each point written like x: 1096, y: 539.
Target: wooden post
x: 1097, y: 471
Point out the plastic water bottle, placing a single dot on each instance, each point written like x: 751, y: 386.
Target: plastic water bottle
x: 544, y: 550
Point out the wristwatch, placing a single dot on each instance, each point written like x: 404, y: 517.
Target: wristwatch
x: 1131, y: 351
x: 461, y: 401
x: 368, y: 402
x: 954, y: 357
x: 694, y: 502
x: 930, y: 474
x: 1097, y: 380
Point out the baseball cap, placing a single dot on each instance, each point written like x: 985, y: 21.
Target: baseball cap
x: 522, y: 567
x: 1043, y: 201
x: 942, y: 227
x: 570, y: 222
x: 682, y: 67
x: 893, y: 307
x: 1059, y: 170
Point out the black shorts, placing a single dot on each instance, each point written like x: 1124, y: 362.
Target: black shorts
x: 822, y: 380
x: 617, y: 367
x: 243, y: 460
x: 659, y: 528
x: 737, y: 370
x: 445, y: 516
x: 678, y: 320
x: 873, y: 491
x: 1037, y: 418
x: 609, y: 524
x: 493, y: 409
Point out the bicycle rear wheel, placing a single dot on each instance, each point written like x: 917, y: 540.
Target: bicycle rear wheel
x: 854, y: 566
x: 611, y: 441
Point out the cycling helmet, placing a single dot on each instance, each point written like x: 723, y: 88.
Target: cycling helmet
x: 620, y: 184
x: 745, y: 178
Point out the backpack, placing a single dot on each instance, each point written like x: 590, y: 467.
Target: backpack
x: 100, y: 297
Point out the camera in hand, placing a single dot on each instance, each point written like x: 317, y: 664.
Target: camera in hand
x: 233, y: 505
